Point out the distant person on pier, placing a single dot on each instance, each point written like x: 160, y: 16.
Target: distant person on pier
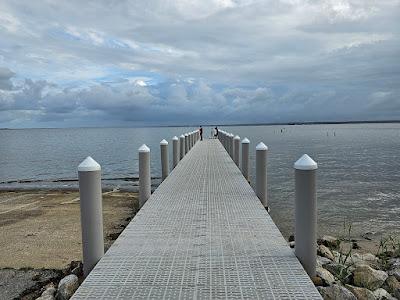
x: 216, y: 132
x: 201, y: 133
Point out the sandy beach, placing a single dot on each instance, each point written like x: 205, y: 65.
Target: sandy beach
x: 41, y: 229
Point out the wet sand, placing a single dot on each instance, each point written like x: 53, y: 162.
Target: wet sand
x: 42, y: 229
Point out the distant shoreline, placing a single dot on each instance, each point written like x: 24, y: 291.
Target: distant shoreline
x: 228, y: 125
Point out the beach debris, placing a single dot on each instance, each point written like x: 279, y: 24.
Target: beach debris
x: 365, y: 276
x: 67, y: 287
x: 335, y: 292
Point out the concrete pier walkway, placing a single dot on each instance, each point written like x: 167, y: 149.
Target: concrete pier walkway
x: 203, y: 234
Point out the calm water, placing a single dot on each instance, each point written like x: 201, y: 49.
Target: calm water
x: 358, y: 176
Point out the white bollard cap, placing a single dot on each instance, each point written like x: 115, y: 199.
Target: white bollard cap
x: 186, y: 134
x: 236, y: 137
x: 182, y: 136
x: 88, y: 165
x: 261, y: 146
x: 163, y: 142
x: 245, y: 141
x: 144, y: 148
x: 305, y: 163
x: 175, y: 138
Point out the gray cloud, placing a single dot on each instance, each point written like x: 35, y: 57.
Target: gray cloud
x: 135, y: 62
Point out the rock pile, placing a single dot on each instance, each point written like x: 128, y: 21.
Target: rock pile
x: 355, y: 276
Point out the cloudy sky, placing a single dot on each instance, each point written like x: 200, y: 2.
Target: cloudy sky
x: 132, y: 63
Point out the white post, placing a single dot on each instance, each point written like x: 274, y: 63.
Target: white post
x: 245, y: 158
x: 236, y: 142
x: 261, y: 173
x: 181, y: 146
x: 232, y: 146
x: 306, y: 213
x: 175, y: 151
x: 164, y: 159
x: 89, y: 173
x: 144, y: 175
x: 186, y: 143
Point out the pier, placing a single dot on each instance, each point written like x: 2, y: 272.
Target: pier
x: 202, y: 234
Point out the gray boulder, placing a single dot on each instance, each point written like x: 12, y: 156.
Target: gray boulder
x: 325, y: 252
x: 325, y: 275
x: 48, y: 293
x: 322, y: 261
x: 381, y: 294
x: 335, y: 292
x: 395, y: 273
x: 67, y: 287
x: 361, y: 293
x: 329, y: 241
x: 392, y: 285
x: 365, y: 276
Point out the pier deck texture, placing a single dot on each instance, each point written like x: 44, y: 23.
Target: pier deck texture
x: 203, y: 234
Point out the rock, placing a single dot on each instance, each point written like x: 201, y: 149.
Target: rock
x: 361, y: 293
x: 365, y: 276
x: 395, y: 273
x: 329, y: 241
x: 342, y: 272
x: 48, y: 293
x: 325, y: 275
x: 335, y: 292
x: 381, y: 294
x: 363, y: 259
x: 355, y: 245
x: 322, y: 261
x: 325, y: 252
x: 317, y: 281
x: 67, y: 287
x: 292, y: 244
x: 394, y: 263
x: 392, y: 285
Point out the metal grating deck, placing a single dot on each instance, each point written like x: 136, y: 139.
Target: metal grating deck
x: 203, y: 234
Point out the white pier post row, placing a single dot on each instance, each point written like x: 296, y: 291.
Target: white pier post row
x: 186, y: 143
x: 181, y: 146
x: 245, y: 158
x: 261, y: 173
x: 164, y: 159
x: 232, y: 146
x: 144, y: 175
x: 175, y: 151
x: 190, y: 140
x: 228, y: 143
x: 236, y: 142
x: 306, y: 213
x: 89, y: 173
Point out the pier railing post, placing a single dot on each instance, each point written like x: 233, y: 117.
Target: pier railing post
x: 181, y: 146
x: 261, y: 173
x: 232, y: 146
x: 164, y: 159
x: 236, y: 142
x: 306, y: 213
x: 186, y: 143
x: 245, y: 158
x: 144, y: 175
x: 175, y: 151
x: 89, y: 173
